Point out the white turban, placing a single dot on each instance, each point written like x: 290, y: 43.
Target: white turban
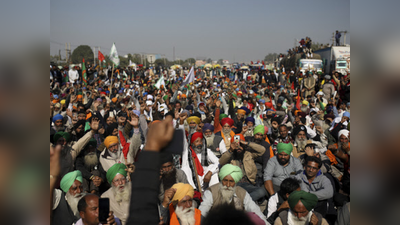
x: 344, y: 132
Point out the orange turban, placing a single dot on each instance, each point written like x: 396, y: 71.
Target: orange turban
x: 182, y: 190
x: 241, y: 111
x: 114, y: 100
x: 110, y: 140
x: 79, y: 97
x: 183, y: 95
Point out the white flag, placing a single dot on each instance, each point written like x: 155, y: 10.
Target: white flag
x: 114, y: 55
x: 190, y: 77
x: 160, y: 82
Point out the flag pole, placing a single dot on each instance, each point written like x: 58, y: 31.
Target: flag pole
x: 112, y: 74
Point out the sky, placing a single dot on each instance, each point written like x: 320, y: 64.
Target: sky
x: 238, y: 31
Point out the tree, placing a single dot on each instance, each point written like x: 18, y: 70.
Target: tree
x: 220, y: 61
x: 209, y: 60
x: 82, y: 52
x: 270, y: 57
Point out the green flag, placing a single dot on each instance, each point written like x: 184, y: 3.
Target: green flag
x: 83, y: 72
x: 160, y: 82
x: 114, y: 55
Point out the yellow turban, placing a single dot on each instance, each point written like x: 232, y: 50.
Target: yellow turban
x: 194, y: 119
x: 62, y: 101
x: 182, y: 190
x: 241, y: 111
x: 305, y: 102
x: 110, y: 140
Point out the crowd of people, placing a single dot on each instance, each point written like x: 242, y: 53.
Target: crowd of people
x: 259, y: 146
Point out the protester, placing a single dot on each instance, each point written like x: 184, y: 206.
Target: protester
x: 227, y: 192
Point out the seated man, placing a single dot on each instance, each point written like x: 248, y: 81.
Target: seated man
x: 169, y: 174
x: 93, y: 174
x: 313, y: 181
x: 278, y: 202
x: 214, y: 142
x: 301, y: 205
x: 65, y: 202
x: 177, y: 206
x: 242, y: 154
x: 227, y: 192
x: 280, y: 167
x: 193, y: 122
x: 226, y: 133
x: 120, y: 191
x: 198, y: 158
x: 88, y: 207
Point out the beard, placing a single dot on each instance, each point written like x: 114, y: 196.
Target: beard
x: 293, y: 220
x: 73, y: 202
x: 238, y: 155
x: 192, y: 130
x: 168, y: 179
x: 301, y: 143
x: 210, y: 140
x: 227, y: 193
x: 257, y: 141
x: 185, y: 215
x: 226, y: 131
x: 304, y: 108
x: 122, y: 192
x: 60, y: 128
x: 91, y: 160
x: 116, y: 155
x: 283, y: 161
x: 198, y: 149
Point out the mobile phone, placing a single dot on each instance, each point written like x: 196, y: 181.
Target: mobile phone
x: 104, y: 209
x: 176, y: 144
x: 236, y: 138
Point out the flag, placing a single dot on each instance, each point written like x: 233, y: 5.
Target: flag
x: 189, y: 78
x: 263, y: 63
x: 298, y: 100
x: 251, y: 62
x: 160, y: 82
x: 83, y: 72
x: 293, y: 85
x: 114, y: 55
x: 100, y: 57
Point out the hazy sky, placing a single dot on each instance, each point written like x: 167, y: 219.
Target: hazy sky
x: 233, y: 30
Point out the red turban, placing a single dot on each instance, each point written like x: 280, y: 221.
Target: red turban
x: 268, y: 104
x: 227, y: 120
x: 195, y: 136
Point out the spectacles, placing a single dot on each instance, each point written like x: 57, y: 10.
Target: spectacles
x: 120, y: 180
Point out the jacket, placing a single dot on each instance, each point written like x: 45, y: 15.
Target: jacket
x: 249, y: 165
x: 321, y: 186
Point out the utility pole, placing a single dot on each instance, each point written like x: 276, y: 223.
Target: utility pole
x: 94, y: 55
x: 66, y: 52
x: 173, y: 54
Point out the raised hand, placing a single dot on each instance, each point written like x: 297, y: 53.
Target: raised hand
x: 94, y: 125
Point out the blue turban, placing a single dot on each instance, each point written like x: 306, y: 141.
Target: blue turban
x: 189, y: 107
x: 107, y: 92
x: 55, y: 96
x: 208, y: 126
x: 262, y: 101
x: 251, y: 119
x: 57, y: 117
x: 346, y: 114
x: 136, y: 112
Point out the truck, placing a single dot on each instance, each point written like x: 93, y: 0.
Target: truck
x: 335, y: 58
x: 302, y: 64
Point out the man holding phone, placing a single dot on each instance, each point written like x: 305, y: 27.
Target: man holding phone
x: 89, y: 207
